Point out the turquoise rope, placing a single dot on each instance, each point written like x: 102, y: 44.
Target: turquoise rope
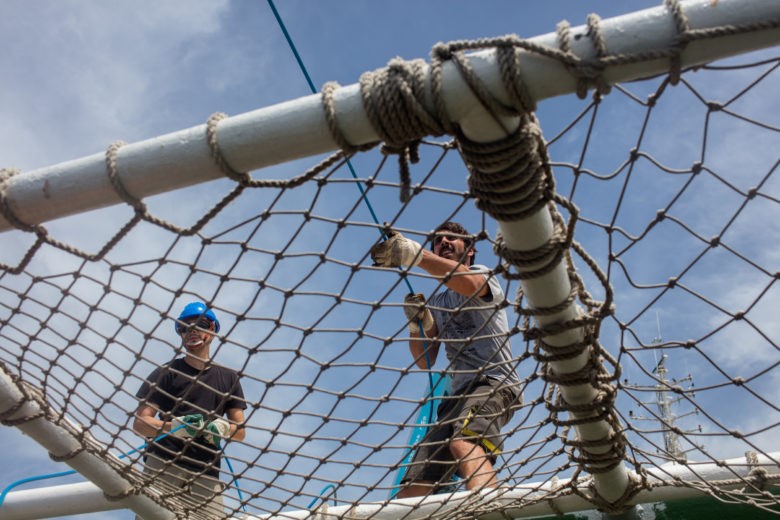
x: 31, y: 479
x: 318, y: 497
x: 72, y: 471
x: 314, y: 91
x: 235, y: 479
x: 349, y: 164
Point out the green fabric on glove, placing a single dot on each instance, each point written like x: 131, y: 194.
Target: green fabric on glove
x: 193, y: 425
x: 217, y: 430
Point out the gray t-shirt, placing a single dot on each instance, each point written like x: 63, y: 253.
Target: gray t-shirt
x: 475, y: 335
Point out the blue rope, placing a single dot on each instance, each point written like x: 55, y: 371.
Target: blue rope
x: 349, y: 164
x: 69, y: 472
x: 318, y: 497
x: 19, y: 482
x: 235, y: 479
x: 313, y: 89
x: 72, y: 471
x: 31, y: 479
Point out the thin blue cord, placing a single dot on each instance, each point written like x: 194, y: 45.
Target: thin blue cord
x: 362, y: 193
x: 235, y: 479
x: 292, y: 47
x: 318, y: 497
x: 31, y: 479
x: 349, y: 164
x: 72, y: 471
x: 314, y: 91
x: 122, y: 456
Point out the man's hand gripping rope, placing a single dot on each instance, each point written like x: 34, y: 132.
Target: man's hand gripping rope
x: 194, y: 425
x: 217, y: 430
x: 396, y: 251
x: 416, y: 312
x: 187, y: 426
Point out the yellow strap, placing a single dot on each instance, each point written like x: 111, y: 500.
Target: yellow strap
x: 489, y: 445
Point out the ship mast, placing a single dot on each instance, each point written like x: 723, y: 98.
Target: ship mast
x: 664, y: 402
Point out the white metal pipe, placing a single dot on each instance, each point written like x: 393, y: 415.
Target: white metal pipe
x: 551, y: 289
x: 297, y: 129
x: 88, y: 498
x: 531, y: 500
x: 60, y: 442
x: 56, y: 501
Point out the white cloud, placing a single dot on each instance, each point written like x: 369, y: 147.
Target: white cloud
x: 84, y: 73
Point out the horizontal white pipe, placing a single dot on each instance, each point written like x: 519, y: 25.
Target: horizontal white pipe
x: 57, y: 501
x: 529, y: 500
x: 297, y: 129
x: 85, y: 497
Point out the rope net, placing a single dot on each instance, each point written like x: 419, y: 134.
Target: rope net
x: 664, y: 201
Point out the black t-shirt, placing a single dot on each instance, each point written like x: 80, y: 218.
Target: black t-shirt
x: 177, y: 389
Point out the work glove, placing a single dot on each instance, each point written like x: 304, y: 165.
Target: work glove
x: 396, y: 251
x: 217, y: 430
x: 193, y: 424
x: 416, y: 311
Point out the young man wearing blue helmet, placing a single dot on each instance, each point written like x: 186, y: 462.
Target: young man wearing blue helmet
x: 186, y: 401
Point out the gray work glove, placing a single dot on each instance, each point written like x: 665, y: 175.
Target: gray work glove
x: 396, y: 251
x: 416, y: 312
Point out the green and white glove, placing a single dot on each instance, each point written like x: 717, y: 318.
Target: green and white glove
x: 193, y: 424
x: 396, y: 251
x: 217, y: 430
x: 416, y: 311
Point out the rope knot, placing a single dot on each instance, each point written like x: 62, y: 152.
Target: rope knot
x: 407, y: 153
x: 394, y: 101
x: 5, y: 175
x: 442, y: 51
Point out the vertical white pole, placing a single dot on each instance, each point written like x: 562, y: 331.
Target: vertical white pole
x: 546, y: 291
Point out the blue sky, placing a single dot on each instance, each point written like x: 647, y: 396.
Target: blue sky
x: 80, y: 75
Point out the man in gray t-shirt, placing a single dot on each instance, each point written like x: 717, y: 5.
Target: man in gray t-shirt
x: 469, y: 320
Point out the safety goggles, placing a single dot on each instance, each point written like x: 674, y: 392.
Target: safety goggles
x: 202, y: 323
x: 438, y: 239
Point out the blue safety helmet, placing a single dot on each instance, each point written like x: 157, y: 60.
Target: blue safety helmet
x: 196, y: 310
